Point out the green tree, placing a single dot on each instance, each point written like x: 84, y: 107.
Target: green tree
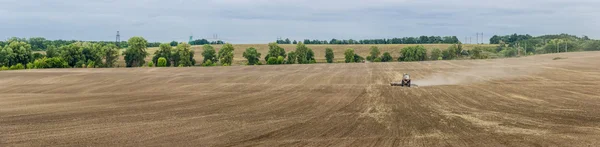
x: 413, y: 53
x: 135, y: 54
x: 173, y: 43
x: 387, y: 57
x: 358, y: 58
x: 91, y: 52
x: 209, y: 53
x: 72, y: 54
x: 185, y: 55
x: 226, y: 54
x: 449, y: 53
x: 435, y: 54
x: 16, y: 52
x: 374, y: 53
x: 275, y: 51
x: 592, y: 45
x: 17, y: 66
x: 52, y: 51
x: 310, y: 56
x: 162, y: 62
x: 329, y: 55
x: 252, y: 55
x: 164, y: 51
x: 302, y: 53
x: 291, y: 59
x: 110, y: 55
x: 38, y: 56
x: 349, y: 55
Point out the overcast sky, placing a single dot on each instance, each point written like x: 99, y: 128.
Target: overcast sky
x: 262, y: 21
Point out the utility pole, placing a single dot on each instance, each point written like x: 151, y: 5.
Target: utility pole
x: 477, y: 39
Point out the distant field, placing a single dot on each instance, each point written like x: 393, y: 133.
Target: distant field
x: 338, y: 50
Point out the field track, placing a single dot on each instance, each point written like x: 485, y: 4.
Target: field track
x: 529, y: 101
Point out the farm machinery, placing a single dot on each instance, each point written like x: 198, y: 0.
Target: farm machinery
x: 405, y: 81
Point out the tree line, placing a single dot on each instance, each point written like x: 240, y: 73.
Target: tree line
x: 404, y: 40
x: 43, y: 44
x: 527, y: 44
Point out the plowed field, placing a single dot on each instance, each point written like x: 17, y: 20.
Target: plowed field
x: 528, y: 101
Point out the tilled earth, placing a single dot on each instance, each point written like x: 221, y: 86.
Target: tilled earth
x: 528, y: 101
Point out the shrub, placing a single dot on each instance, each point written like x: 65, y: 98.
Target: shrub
x: 80, y: 64
x: 349, y: 55
x: 226, y: 54
x: 30, y: 65
x: 272, y: 60
x: 150, y: 63
x: 162, y: 62
x: 374, y: 53
x: 5, y: 68
x: 291, y: 58
x: 17, y: 67
x: 378, y: 59
x: 92, y: 64
x: 209, y: 53
x: 280, y: 60
x: 386, y: 57
x: 435, y: 54
x: 358, y: 58
x: 164, y: 51
x: 208, y: 63
x: 440, y: 58
x: 413, y: 53
x: 329, y: 55
x: 275, y: 51
x: 252, y: 56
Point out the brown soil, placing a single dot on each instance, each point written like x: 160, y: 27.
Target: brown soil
x: 532, y: 101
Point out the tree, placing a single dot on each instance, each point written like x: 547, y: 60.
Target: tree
x: 593, y: 45
x: 349, y: 55
x: 275, y: 51
x: 52, y: 51
x: 386, y: 57
x: 291, y: 59
x: 310, y: 56
x: 302, y: 53
x: 173, y: 43
x: 252, y: 55
x: 358, y: 58
x: 226, y: 54
x: 91, y: 52
x: 38, y: 56
x: 72, y: 54
x: 295, y: 42
x: 209, y: 53
x: 435, y: 54
x: 164, y: 51
x: 150, y: 64
x: 449, y: 53
x: 185, y: 55
x: 374, y: 53
x: 110, y: 55
x: 162, y: 62
x: 16, y: 52
x: 287, y: 41
x: 135, y: 54
x: 329, y: 55
x: 413, y: 53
